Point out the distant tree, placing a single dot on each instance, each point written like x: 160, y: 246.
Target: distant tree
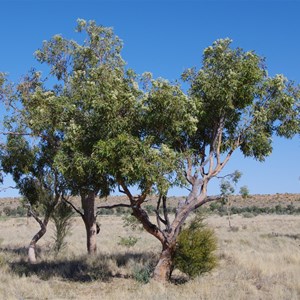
x: 227, y: 188
x: 244, y: 191
x: 187, y: 140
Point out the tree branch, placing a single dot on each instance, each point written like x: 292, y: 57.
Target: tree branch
x: 114, y: 205
x: 188, y: 172
x: 164, y: 198
x: 15, y: 133
x: 121, y: 191
x: 207, y: 200
x: 158, y: 218
x: 73, y: 206
x: 34, y: 215
x: 7, y: 188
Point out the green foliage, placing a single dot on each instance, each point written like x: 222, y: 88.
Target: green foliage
x: 62, y: 220
x: 195, y: 251
x: 20, y: 211
x: 142, y: 274
x: 244, y: 191
x: 105, y: 211
x: 128, y: 242
x: 132, y: 222
x: 252, y: 211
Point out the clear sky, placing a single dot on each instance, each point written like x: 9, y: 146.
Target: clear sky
x: 165, y: 37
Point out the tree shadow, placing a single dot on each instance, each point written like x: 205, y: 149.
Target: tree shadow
x: 20, y: 251
x: 82, y: 269
x: 144, y: 258
x: 179, y: 279
x: 77, y: 270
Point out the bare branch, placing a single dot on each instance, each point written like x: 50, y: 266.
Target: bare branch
x: 188, y: 172
x: 16, y: 133
x: 207, y: 200
x: 158, y: 218
x: 220, y: 134
x: 73, y: 206
x: 121, y: 191
x: 32, y: 213
x: 114, y: 205
x: 126, y: 191
x: 146, y: 192
x: 7, y: 188
x: 164, y: 198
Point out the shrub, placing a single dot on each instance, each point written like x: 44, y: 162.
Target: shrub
x: 248, y: 215
x: 121, y: 210
x: 142, y: 274
x: 149, y: 209
x: 132, y: 222
x: 196, y: 245
x: 21, y: 211
x: 62, y: 220
x: 128, y: 241
x: 7, y: 211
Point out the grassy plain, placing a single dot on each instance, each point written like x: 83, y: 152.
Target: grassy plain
x: 258, y: 259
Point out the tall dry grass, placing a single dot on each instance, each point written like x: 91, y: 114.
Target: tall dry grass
x: 258, y: 259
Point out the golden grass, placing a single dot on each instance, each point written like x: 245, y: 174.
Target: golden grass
x: 259, y: 260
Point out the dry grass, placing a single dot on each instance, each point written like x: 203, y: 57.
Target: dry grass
x: 260, y: 259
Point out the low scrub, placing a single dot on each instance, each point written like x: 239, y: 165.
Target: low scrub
x: 196, y: 246
x: 252, y: 211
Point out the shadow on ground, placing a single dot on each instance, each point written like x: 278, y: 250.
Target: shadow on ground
x: 82, y: 269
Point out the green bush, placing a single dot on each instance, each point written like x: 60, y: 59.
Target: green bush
x: 7, y: 211
x: 121, y: 210
x: 142, y: 274
x: 128, y: 241
x: 196, y: 246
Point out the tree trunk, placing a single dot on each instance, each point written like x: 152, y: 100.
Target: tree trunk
x: 164, y: 267
x: 89, y: 218
x: 35, y: 239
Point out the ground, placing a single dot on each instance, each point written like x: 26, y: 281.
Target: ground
x: 259, y: 258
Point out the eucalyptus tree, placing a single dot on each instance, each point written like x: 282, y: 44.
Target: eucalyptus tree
x: 187, y: 140
x: 28, y: 152
x: 38, y: 182
x: 88, y: 96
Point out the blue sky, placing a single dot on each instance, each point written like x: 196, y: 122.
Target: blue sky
x: 165, y: 37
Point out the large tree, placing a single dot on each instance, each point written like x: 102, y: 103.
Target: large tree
x: 187, y: 140
x: 88, y: 96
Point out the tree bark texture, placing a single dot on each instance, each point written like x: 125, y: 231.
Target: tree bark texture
x: 164, y: 267
x: 35, y: 239
x: 89, y: 218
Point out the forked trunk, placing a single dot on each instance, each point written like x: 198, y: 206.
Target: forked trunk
x: 35, y: 239
x: 164, y: 267
x: 89, y: 218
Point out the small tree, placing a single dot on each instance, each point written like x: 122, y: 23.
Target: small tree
x: 227, y: 190
x: 62, y: 221
x: 37, y: 180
